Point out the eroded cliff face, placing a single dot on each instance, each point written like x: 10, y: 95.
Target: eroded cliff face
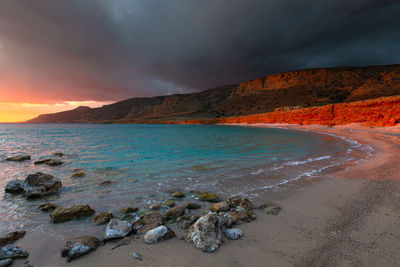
x: 379, y: 112
x: 301, y: 89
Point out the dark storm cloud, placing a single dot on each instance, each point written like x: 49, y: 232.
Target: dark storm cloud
x: 108, y: 50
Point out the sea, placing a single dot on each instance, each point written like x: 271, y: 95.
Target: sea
x: 144, y: 164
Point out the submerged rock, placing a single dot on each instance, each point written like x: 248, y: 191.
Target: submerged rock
x: 75, y: 211
x: 206, y: 233
x: 19, y: 158
x: 169, y: 203
x: 78, y: 174
x: 103, y: 218
x: 15, y: 186
x: 104, y: 183
x: 11, y: 237
x: 79, y: 246
x: 12, y: 252
x: 40, y: 185
x: 233, y: 233
x: 270, y: 208
x: 174, y: 213
x: 220, y: 206
x: 50, y: 162
x: 155, y: 206
x: 58, y: 154
x: 178, y: 194
x: 117, y: 229
x: 210, y: 197
x: 158, y: 234
x: 47, y: 207
x: 127, y: 209
x: 192, y: 206
x: 6, y: 262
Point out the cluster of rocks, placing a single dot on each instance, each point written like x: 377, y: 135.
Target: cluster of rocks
x: 48, y: 161
x: 35, y: 185
x: 204, y: 230
x: 9, y: 251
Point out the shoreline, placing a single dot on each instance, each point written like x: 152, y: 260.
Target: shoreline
x: 349, y: 212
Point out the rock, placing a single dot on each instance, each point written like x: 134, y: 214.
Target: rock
x: 206, y: 233
x: 50, y: 162
x: 127, y: 209
x: 228, y: 220
x: 12, y: 252
x: 270, y: 208
x: 15, y: 186
x: 11, y: 237
x: 104, y: 183
x: 19, y: 158
x: 235, y: 201
x: 6, y: 262
x: 79, y: 246
x: 54, y: 162
x: 137, y: 256
x: 58, y: 154
x: 47, y: 207
x: 210, y: 197
x: 78, y: 174
x: 220, y: 206
x: 251, y: 214
x: 169, y: 203
x: 40, y: 185
x: 178, y: 194
x: 148, y: 221
x: 194, y: 218
x: 155, y: 206
x: 103, y: 218
x: 233, y: 233
x: 158, y: 234
x: 174, y: 213
x: 239, y: 216
x: 192, y: 206
x: 75, y: 211
x: 185, y: 225
x: 117, y: 229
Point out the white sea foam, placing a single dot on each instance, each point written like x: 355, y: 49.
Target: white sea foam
x: 307, y: 161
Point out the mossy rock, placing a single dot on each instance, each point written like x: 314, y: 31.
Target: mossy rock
x: 210, y: 197
x: 169, y: 203
x: 103, y: 218
x: 192, y: 206
x: 178, y: 194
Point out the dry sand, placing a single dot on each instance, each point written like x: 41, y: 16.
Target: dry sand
x: 350, y: 219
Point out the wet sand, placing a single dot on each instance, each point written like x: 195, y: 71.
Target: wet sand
x: 350, y: 219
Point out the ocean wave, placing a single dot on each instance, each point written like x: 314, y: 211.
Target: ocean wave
x: 291, y: 163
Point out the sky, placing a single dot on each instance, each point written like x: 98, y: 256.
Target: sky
x: 58, y: 54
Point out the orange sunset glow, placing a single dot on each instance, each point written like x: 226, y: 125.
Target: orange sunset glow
x: 20, y: 112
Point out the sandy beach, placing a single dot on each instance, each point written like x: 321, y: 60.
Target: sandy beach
x: 349, y: 218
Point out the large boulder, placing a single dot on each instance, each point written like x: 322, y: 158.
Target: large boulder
x: 117, y: 229
x: 79, y: 246
x: 206, y: 233
x: 15, y: 186
x: 40, y: 185
x: 12, y: 252
x: 19, y: 158
x: 75, y: 211
x: 158, y: 234
x: 11, y: 237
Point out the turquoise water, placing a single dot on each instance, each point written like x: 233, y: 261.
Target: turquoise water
x: 147, y: 162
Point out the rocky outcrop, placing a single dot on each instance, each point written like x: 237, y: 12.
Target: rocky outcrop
x: 206, y: 233
x: 79, y: 246
x: 72, y: 212
x: 158, y: 234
